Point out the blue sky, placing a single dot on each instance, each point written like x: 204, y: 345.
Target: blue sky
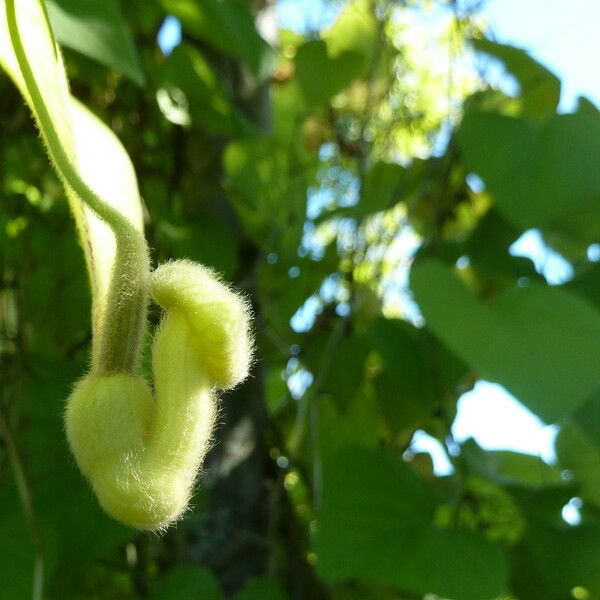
x: 564, y: 35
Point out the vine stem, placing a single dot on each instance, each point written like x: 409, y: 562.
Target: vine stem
x: 123, y: 323
x: 27, y: 504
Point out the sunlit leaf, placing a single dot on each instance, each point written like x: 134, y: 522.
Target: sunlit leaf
x: 533, y: 180
x: 509, y: 468
x: 537, y: 341
x: 540, y: 88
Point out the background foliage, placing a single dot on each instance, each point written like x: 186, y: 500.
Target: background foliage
x: 363, y: 183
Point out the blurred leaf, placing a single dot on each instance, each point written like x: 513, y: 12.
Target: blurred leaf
x: 509, y: 468
x: 368, y: 518
x: 587, y: 282
x: 355, y: 424
x: 97, y: 30
x: 227, y: 25
x: 283, y: 294
x: 288, y: 110
x: 325, y: 67
x: 276, y: 390
x: 17, y: 551
x: 206, y: 239
x: 489, y: 260
x: 375, y: 526
x: 356, y: 591
x: 418, y: 373
x: 355, y: 32
x: 186, y: 583
x: 406, y: 390
x: 540, y: 88
x: 345, y: 374
x: 539, y: 342
x: 578, y: 449
x: 268, y: 191
x: 556, y: 559
x: 319, y: 75
x: 262, y: 589
x: 587, y: 418
x: 456, y: 555
x: 534, y: 182
x: 186, y: 71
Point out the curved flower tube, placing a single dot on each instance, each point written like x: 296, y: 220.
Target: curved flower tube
x: 141, y: 452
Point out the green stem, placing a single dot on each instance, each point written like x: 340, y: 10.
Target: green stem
x: 27, y: 505
x: 124, y: 318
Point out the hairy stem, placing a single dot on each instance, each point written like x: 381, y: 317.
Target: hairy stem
x: 124, y: 319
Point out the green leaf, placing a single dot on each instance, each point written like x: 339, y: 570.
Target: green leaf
x: 455, y: 557
x: 320, y: 75
x: 540, y: 88
x: 355, y: 424
x: 541, y: 343
x: 588, y: 418
x: 346, y: 373
x: 262, y: 589
x: 509, y: 468
x: 372, y: 508
x: 185, y: 583
x: 226, y: 25
x: 578, y: 448
x: 489, y: 260
x: 375, y: 525
x: 186, y: 71
x: 204, y: 239
x: 97, y: 30
x: 587, y: 282
x: 555, y: 559
x: 534, y: 182
x: 410, y: 384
